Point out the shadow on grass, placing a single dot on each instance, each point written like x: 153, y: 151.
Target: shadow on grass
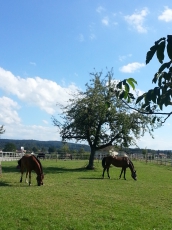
x: 47, y: 170
x: 9, y: 169
x: 3, y: 183
x: 90, y: 178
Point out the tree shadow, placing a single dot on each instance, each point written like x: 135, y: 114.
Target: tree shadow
x: 9, y: 169
x: 90, y: 178
x: 55, y: 170
x: 3, y: 183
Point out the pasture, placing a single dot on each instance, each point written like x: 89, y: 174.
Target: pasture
x: 73, y: 198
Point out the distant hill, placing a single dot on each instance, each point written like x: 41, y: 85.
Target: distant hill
x: 41, y: 144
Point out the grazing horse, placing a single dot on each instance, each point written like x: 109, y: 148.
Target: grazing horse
x: 30, y: 162
x: 122, y: 162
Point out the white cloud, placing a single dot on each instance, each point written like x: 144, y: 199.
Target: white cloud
x: 81, y: 38
x: 105, y: 21
x: 100, y: 9
x: 39, y: 92
x: 35, y: 132
x: 45, y: 122
x: 8, y: 112
x: 124, y: 57
x: 166, y: 15
x: 92, y: 36
x: 132, y: 67
x: 136, y: 20
x: 33, y: 63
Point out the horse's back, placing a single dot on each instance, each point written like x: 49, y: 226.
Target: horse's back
x: 118, y: 161
x: 28, y: 161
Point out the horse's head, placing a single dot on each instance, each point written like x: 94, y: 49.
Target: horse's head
x: 133, y: 174
x: 40, y: 179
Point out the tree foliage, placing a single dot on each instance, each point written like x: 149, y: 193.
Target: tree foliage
x: 160, y: 95
x: 2, y: 130
x: 9, y: 147
x: 52, y: 149
x: 100, y: 118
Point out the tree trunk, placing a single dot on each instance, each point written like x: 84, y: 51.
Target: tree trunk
x: 91, y: 159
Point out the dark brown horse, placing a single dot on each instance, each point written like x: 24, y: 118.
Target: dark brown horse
x: 30, y: 162
x: 122, y: 162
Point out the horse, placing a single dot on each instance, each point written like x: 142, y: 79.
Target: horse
x: 122, y: 162
x: 30, y: 162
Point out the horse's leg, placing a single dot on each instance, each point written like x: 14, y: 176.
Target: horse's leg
x: 21, y: 177
x: 103, y: 172
x: 29, y: 178
x: 124, y: 173
x: 21, y: 170
x: 26, y: 176
x: 108, y: 172
x: 121, y: 173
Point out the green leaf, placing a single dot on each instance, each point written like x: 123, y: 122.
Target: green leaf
x: 160, y: 51
x: 127, y: 88
x: 160, y: 81
x: 153, y: 120
x: 151, y: 53
x: 148, y: 108
x: 145, y: 105
x: 169, y: 50
x: 163, y: 66
x: 122, y: 95
x: 130, y: 95
x: 153, y: 97
x: 131, y: 82
x: 119, y: 85
x: 148, y: 96
x: 140, y: 98
x: 156, y: 76
x: 169, y: 46
x: 157, y: 91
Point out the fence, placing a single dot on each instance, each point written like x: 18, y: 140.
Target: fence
x: 10, y: 156
x: 155, y: 160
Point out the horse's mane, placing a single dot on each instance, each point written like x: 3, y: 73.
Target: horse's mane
x: 38, y: 163
x: 131, y: 163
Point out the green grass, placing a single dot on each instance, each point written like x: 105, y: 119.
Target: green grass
x: 73, y: 198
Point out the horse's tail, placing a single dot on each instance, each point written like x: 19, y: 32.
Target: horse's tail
x: 19, y: 163
x: 104, y: 162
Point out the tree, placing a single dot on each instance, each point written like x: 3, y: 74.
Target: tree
x: 35, y: 149
x: 2, y: 130
x: 98, y: 117
x: 52, y: 149
x: 9, y: 147
x: 65, y: 148
x: 161, y: 95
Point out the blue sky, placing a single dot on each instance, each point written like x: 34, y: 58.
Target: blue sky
x: 48, y: 49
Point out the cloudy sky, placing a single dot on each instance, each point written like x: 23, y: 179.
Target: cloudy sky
x: 48, y: 49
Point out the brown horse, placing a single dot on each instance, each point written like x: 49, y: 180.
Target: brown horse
x: 122, y: 162
x: 30, y: 162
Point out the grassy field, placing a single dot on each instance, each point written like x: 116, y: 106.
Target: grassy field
x: 75, y: 199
